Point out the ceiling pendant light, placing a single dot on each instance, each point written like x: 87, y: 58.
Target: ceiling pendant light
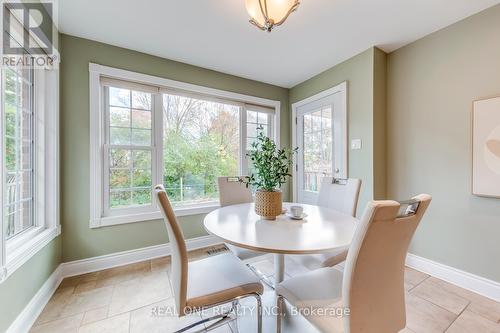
x: 266, y: 14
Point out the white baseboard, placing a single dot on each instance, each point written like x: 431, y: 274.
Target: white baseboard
x: 30, y: 313
x: 26, y: 319
x: 94, y: 264
x: 475, y: 283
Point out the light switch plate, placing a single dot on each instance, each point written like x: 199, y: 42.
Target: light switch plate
x: 356, y: 144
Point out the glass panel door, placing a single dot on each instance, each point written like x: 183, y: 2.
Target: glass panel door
x: 316, y: 147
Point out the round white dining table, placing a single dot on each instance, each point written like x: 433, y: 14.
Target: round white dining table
x: 323, y: 230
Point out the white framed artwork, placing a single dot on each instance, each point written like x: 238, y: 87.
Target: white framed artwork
x: 486, y: 148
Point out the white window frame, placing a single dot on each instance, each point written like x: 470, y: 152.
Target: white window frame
x: 97, y: 137
x: 155, y: 148
x: 20, y: 248
x: 340, y: 152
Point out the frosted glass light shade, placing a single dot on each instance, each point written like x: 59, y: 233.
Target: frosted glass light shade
x: 277, y: 10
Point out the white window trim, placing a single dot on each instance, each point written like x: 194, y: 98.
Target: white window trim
x: 155, y: 147
x: 97, y: 71
x: 18, y: 250
x: 342, y: 146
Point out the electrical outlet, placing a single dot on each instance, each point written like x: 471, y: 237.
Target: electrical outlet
x: 356, y: 144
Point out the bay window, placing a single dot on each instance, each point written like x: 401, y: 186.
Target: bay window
x: 18, y: 157
x: 147, y: 130
x: 29, y: 163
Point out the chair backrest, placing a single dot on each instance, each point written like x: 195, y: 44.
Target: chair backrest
x: 373, y: 285
x: 233, y: 192
x: 179, y: 266
x: 341, y: 195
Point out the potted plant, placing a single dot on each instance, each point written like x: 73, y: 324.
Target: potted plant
x: 271, y: 168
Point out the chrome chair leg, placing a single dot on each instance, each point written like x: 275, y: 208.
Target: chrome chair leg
x: 259, y: 312
x: 198, y: 323
x: 261, y: 275
x: 280, y: 303
x: 226, y: 317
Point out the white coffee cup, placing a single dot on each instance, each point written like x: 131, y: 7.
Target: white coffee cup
x: 297, y: 211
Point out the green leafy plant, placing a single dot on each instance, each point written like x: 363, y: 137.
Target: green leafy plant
x: 271, y: 165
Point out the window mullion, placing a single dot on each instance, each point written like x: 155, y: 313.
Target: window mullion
x: 106, y: 149
x: 158, y: 168
x: 243, y: 141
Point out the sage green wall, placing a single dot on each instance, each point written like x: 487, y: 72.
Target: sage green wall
x: 359, y: 72
x: 18, y: 290
x: 79, y: 241
x: 432, y: 83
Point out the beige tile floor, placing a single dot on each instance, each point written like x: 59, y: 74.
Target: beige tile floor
x: 122, y: 300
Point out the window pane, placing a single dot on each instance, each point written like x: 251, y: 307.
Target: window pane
x: 129, y: 126
x: 119, y: 136
x: 142, y: 159
x: 130, y: 171
x: 10, y: 120
x: 201, y: 143
x: 263, y: 117
x: 141, y: 197
x: 141, y: 137
x: 120, y: 158
x: 119, y: 97
x: 12, y: 96
x: 11, y: 149
x: 119, y: 117
x: 256, y: 122
x: 263, y: 129
x: 120, y: 199
x: 26, y: 211
x: 141, y: 100
x: 19, y: 148
x: 318, y: 148
x: 141, y: 178
x: 26, y: 156
x: 252, y: 117
x: 252, y: 130
x: 250, y: 142
x: 141, y: 119
x: 119, y: 178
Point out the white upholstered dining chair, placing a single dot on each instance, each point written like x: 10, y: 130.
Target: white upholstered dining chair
x: 208, y: 282
x: 233, y: 192
x: 372, y: 284
x: 341, y: 195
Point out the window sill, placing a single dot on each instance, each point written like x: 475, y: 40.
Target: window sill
x: 28, y: 249
x: 154, y: 215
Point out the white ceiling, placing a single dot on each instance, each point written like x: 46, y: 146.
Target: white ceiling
x: 216, y: 34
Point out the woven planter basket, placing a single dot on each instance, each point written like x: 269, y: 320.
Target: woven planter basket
x: 268, y: 205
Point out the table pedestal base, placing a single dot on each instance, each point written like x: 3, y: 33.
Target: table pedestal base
x: 279, y: 268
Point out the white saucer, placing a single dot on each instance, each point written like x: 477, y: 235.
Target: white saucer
x: 304, y: 215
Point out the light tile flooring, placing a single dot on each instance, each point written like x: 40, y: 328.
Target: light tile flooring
x: 122, y: 300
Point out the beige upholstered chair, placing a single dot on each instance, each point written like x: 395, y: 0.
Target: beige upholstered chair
x: 209, y: 282
x: 372, y: 284
x: 234, y: 192
x: 341, y: 195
